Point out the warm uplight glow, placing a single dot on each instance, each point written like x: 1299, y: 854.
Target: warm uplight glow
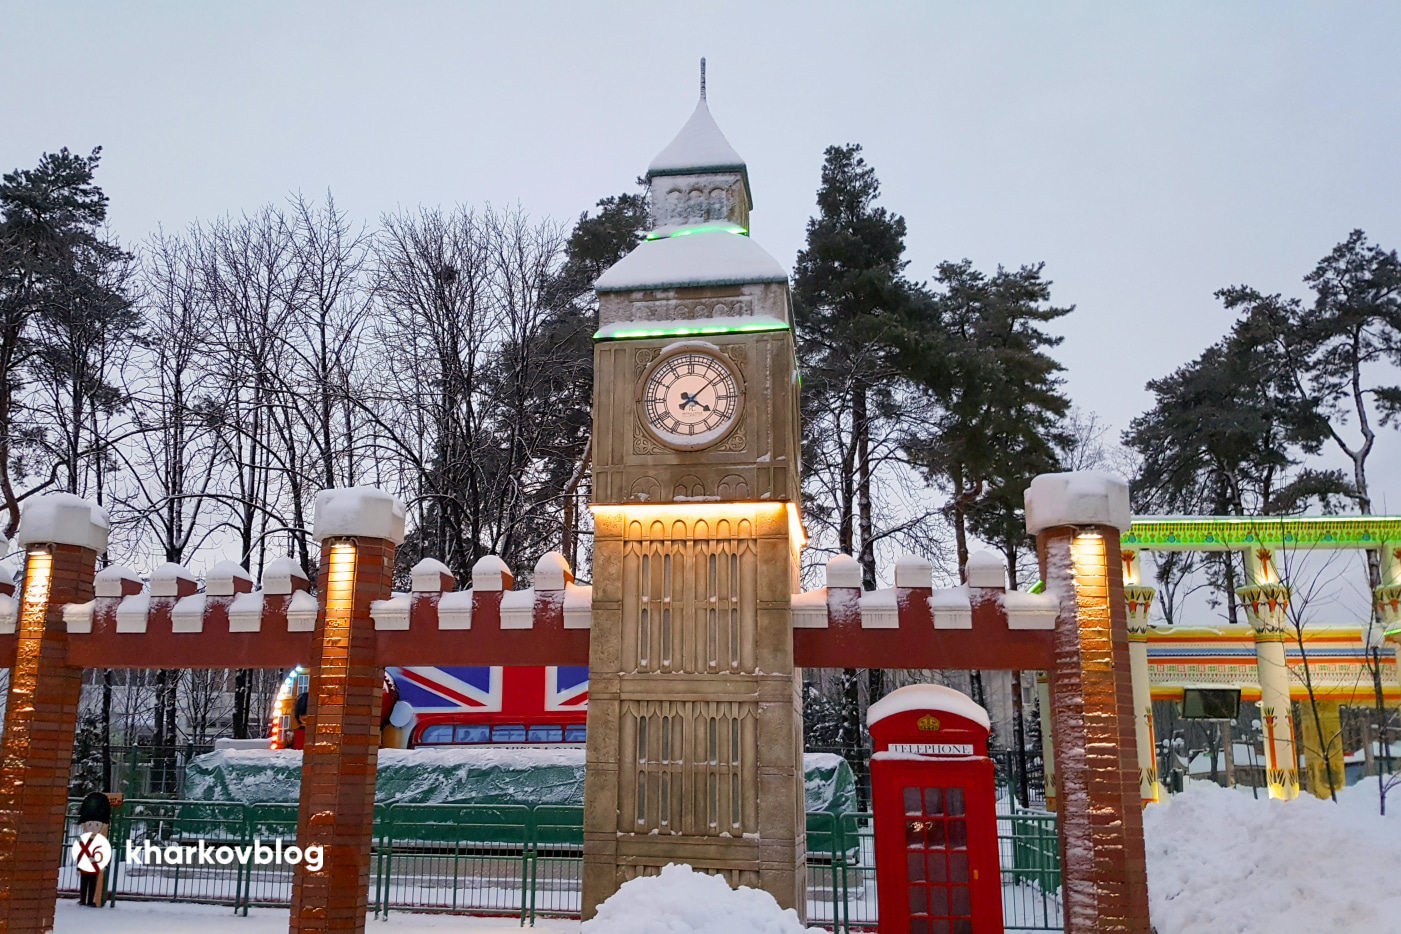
x: 37, y: 575
x: 340, y: 583
x: 795, y: 526
x: 710, y: 512
x: 684, y: 330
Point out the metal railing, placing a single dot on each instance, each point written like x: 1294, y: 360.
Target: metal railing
x: 516, y: 860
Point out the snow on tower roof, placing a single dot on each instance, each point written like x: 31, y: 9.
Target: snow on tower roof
x: 705, y: 257
x: 699, y: 147
x: 927, y: 697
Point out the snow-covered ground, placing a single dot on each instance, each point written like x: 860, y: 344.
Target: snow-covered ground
x: 1221, y: 862
x: 165, y: 918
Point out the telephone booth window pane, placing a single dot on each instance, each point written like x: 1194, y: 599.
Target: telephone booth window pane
x: 958, y: 835
x: 914, y: 833
x: 919, y: 926
x: 961, y: 904
x: 938, y: 868
x: 934, y: 831
x: 963, y: 926
x: 938, y: 901
x: 918, y: 904
x: 953, y: 801
x: 938, y: 927
x: 933, y: 801
x: 912, y: 805
x: 915, y: 864
x: 958, y: 867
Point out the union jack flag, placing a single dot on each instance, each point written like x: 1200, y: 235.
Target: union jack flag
x: 518, y: 691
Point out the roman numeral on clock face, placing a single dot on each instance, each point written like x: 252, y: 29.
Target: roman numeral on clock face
x: 690, y: 397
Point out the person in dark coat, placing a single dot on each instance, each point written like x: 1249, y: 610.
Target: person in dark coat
x: 94, y: 816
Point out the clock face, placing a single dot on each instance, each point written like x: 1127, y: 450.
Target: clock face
x: 690, y: 399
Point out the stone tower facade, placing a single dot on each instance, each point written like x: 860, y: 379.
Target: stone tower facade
x: 695, y: 719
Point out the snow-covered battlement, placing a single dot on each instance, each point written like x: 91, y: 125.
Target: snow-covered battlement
x: 125, y: 603
x: 554, y: 600
x: 913, y: 601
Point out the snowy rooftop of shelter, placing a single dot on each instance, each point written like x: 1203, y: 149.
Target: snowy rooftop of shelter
x: 699, y: 147
x: 927, y: 697
x: 706, y: 257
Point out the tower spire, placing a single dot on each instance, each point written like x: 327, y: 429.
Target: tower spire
x: 702, y: 77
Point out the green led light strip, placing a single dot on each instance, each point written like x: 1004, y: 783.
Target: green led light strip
x: 1184, y: 533
x: 687, y: 231
x: 683, y: 331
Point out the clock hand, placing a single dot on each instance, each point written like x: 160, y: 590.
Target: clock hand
x: 688, y: 399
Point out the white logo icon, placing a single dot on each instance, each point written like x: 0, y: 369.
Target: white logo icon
x: 91, y: 852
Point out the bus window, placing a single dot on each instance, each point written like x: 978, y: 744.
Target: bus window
x: 508, y: 733
x: 574, y: 733
x: 473, y: 733
x: 545, y: 734
x: 437, y: 733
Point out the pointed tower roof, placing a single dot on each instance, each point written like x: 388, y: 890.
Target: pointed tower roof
x: 699, y: 147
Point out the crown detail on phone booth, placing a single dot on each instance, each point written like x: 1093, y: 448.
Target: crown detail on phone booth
x: 928, y: 722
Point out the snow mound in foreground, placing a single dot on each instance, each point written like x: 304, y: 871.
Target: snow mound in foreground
x: 683, y: 901
x: 1221, y: 862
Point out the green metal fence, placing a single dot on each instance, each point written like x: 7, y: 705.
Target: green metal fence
x: 515, y: 860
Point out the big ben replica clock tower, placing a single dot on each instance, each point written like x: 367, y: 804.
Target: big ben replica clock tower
x: 695, y: 723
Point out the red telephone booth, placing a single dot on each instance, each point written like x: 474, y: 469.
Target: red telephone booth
x: 935, y: 814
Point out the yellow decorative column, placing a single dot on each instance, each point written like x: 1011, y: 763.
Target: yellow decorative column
x: 1266, y: 604
x: 1138, y: 599
x: 1316, y: 765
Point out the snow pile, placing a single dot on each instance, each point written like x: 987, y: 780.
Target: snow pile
x: 683, y: 901
x: 1221, y: 862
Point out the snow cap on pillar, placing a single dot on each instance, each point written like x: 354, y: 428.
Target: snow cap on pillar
x: 359, y: 511
x: 227, y: 578
x: 552, y: 572
x: 283, y: 576
x: 843, y: 571
x: 1083, y: 497
x: 491, y: 573
x: 913, y: 571
x: 116, y: 580
x: 172, y: 580
x: 63, y: 519
x: 986, y: 569
x: 432, y: 576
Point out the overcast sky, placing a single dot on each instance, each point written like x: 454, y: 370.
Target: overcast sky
x: 1148, y: 153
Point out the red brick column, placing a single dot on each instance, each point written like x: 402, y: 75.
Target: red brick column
x: 343, y: 708
x: 1103, y: 868
x: 40, y: 715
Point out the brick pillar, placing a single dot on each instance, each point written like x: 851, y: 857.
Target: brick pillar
x: 358, y: 530
x: 1077, y: 518
x: 63, y: 536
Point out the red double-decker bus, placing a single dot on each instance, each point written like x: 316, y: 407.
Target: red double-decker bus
x: 461, y: 706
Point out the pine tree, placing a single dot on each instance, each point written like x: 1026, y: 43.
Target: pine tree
x: 54, y: 269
